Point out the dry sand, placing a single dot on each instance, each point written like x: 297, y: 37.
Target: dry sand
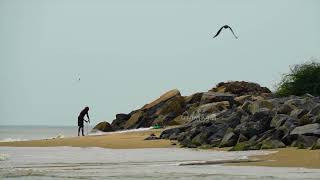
x: 287, y: 157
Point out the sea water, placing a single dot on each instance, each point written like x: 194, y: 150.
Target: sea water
x: 160, y: 164
x: 98, y: 163
x: 24, y: 133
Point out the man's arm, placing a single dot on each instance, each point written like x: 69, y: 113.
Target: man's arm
x: 88, y: 117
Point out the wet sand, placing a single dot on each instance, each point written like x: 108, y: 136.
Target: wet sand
x: 287, y: 157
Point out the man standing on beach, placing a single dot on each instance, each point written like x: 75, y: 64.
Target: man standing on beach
x: 83, y: 113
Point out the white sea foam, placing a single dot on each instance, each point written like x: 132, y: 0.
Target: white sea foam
x: 60, y: 136
x: 135, y: 164
x: 12, y: 139
x: 99, y: 133
x: 4, y: 157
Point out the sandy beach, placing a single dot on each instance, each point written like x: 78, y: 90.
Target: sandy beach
x: 287, y: 157
x: 129, y: 140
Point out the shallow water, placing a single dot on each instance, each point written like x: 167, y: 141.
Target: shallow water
x: 24, y: 133
x: 99, y: 163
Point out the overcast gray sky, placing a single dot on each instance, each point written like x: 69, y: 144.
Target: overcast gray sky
x: 130, y: 52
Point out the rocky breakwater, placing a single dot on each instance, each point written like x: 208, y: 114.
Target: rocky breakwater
x: 245, y: 116
x: 164, y: 111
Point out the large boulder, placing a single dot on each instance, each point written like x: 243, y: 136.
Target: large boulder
x: 242, y: 99
x: 280, y: 119
x: 285, y: 109
x: 118, y: 123
x: 315, y: 111
x: 260, y: 105
x: 104, y: 127
x: 310, y: 129
x: 133, y: 121
x: 167, y: 112
x: 246, y: 146
x: 302, y: 102
x: 242, y: 138
x: 166, y: 96
x: 240, y: 88
x: 194, y: 98
x: 316, y: 145
x: 255, y: 124
x: 272, y: 144
x: 210, y: 97
x: 202, y: 137
x: 298, y: 113
x: 161, y: 111
x: 214, y: 107
x: 303, y: 142
x: 229, y: 139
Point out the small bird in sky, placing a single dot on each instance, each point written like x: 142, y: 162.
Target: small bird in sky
x: 225, y: 27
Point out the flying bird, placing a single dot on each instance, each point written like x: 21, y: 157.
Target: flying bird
x: 225, y: 27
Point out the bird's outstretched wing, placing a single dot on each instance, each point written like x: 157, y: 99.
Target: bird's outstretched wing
x: 218, y: 32
x: 232, y: 32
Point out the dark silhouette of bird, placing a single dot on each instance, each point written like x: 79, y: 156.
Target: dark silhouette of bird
x: 225, y: 27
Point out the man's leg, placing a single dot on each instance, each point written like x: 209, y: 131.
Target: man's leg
x: 82, y: 130
x: 79, y: 131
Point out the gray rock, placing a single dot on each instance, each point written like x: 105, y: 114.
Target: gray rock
x: 242, y: 99
x: 257, y: 124
x: 213, y: 107
x: 202, y: 137
x: 305, y: 119
x: 187, y: 143
x: 245, y: 146
x: 123, y: 116
x: 210, y: 97
x: 302, y: 103
x: 272, y: 144
x: 103, y: 126
x: 310, y: 129
x: 195, y: 98
x: 242, y: 138
x: 152, y: 137
x: 316, y: 110
x: 232, y: 120
x: 229, y: 139
x: 316, y: 145
x: 278, y: 120
x: 303, y: 142
x: 260, y: 105
x: 316, y: 119
x: 169, y: 132
x: 298, y: 113
x: 285, y: 109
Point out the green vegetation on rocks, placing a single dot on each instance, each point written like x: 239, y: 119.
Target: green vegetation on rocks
x: 303, y: 78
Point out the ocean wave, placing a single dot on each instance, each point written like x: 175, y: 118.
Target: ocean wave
x: 60, y: 136
x: 12, y: 173
x: 12, y: 139
x: 98, y: 133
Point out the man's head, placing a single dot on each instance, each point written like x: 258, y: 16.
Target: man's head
x: 86, y: 108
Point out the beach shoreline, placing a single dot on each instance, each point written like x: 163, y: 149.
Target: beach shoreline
x: 286, y: 157
x: 127, y: 140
